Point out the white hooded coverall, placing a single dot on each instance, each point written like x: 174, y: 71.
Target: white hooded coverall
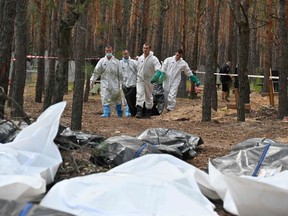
x: 146, y: 69
x: 111, y: 79
x: 173, y: 70
x: 129, y: 72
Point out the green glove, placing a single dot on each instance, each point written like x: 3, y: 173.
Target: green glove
x: 161, y: 78
x: 194, y: 79
x: 156, y: 76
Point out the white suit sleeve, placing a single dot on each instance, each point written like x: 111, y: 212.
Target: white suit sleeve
x: 157, y: 65
x: 187, y: 71
x: 165, y: 65
x: 97, y: 71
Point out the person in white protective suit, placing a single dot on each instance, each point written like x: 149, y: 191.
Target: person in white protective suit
x: 108, y: 68
x: 147, y: 65
x: 129, y: 74
x: 172, y: 67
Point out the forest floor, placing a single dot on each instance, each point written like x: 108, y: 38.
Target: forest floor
x: 219, y: 135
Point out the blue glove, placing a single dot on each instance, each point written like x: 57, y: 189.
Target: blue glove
x: 194, y: 79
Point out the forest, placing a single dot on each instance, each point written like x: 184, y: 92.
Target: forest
x: 252, y: 34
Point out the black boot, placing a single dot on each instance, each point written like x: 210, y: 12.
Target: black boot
x: 139, y: 112
x: 148, y: 113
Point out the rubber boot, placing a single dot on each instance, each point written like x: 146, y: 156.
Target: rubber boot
x: 148, y: 113
x: 118, y: 109
x: 107, y: 111
x: 139, y: 112
x: 127, y: 112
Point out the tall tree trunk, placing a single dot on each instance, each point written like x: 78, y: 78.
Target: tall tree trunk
x: 253, y: 41
x: 283, y: 68
x: 41, y: 62
x: 126, y: 16
x: 139, y: 24
x: 6, y: 38
x: 163, y: 7
x: 145, y: 23
x: 66, y: 22
x: 118, y: 24
x: 209, y: 82
x: 194, y: 64
x: 183, y: 27
x: 49, y: 91
x: 268, y: 47
x: 133, y: 30
x: 230, y: 38
x: 241, y: 14
x: 214, y: 99
x: 20, y: 56
x: 77, y: 106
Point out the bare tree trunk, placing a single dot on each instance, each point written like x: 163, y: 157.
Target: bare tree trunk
x: 268, y: 50
x: 20, y: 55
x: 163, y: 7
x: 230, y: 38
x: 253, y: 41
x: 145, y: 23
x: 126, y: 17
x: 194, y: 64
x: 183, y: 27
x: 209, y: 82
x: 66, y: 22
x: 214, y: 99
x: 240, y: 10
x: 49, y: 92
x: 41, y: 62
x: 6, y: 37
x: 283, y: 72
x: 133, y: 30
x: 77, y: 106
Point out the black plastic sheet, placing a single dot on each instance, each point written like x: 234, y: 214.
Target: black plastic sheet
x: 246, y: 156
x: 172, y: 140
x: 72, y: 140
x: 8, y: 131
x: 120, y: 149
x: 13, y: 208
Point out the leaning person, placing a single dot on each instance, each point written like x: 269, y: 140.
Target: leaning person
x: 173, y: 67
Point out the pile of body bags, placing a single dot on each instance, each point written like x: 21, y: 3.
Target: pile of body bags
x: 152, y: 179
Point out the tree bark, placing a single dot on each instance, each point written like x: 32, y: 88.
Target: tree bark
x: 163, y: 7
x: 20, y: 56
x: 49, y: 91
x: 283, y: 68
x: 77, y: 105
x: 41, y: 62
x: 194, y: 64
x: 241, y: 10
x: 6, y: 38
x: 268, y: 48
x: 65, y: 25
x: 209, y: 82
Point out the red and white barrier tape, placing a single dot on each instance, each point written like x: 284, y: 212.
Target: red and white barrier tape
x: 234, y: 75
x: 51, y: 57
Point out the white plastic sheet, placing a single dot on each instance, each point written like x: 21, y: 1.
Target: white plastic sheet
x: 30, y: 162
x: 150, y: 185
x: 247, y: 195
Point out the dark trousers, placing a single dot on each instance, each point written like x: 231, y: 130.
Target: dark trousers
x: 130, y: 96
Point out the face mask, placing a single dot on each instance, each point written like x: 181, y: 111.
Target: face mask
x: 126, y: 57
x: 108, y: 54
